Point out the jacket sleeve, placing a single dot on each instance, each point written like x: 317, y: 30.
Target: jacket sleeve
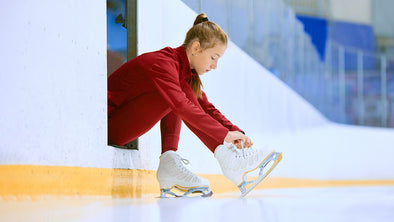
x: 165, y: 77
x: 216, y: 114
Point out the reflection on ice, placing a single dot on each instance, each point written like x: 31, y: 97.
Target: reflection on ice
x: 318, y: 204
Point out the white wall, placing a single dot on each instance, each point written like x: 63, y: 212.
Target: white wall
x: 53, y: 83
x: 53, y: 96
x: 358, y: 11
x: 383, y: 18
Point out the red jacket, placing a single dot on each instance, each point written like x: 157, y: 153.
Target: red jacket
x: 167, y: 71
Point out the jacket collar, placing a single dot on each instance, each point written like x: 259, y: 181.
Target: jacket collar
x: 185, y: 71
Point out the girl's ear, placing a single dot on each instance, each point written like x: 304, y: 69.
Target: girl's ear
x: 196, y: 47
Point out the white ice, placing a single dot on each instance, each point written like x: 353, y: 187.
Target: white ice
x: 361, y: 204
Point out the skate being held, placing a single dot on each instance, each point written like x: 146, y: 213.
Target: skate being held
x: 172, y: 174
x: 237, y: 164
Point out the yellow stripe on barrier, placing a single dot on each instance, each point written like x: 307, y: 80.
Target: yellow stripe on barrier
x: 36, y: 182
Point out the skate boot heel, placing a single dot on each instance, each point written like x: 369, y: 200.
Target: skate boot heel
x: 165, y: 184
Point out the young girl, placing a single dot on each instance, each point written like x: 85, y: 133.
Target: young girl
x: 165, y: 86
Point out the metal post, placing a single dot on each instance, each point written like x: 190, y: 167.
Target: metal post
x: 301, y: 74
x: 251, y: 27
x: 328, y: 77
x: 360, y: 87
x: 342, y: 98
x: 131, y: 24
x: 229, y: 5
x: 132, y: 38
x: 383, y: 92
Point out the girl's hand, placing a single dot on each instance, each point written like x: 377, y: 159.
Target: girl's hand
x: 235, y: 137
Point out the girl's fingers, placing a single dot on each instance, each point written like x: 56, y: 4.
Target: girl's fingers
x: 248, y: 142
x: 236, y: 137
x: 237, y: 143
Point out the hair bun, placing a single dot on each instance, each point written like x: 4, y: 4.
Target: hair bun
x: 202, y: 17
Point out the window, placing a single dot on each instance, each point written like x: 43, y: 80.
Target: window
x: 121, y: 39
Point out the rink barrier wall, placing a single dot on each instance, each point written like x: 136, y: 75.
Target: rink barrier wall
x: 18, y: 182
x: 59, y: 111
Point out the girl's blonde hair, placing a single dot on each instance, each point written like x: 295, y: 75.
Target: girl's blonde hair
x: 209, y: 34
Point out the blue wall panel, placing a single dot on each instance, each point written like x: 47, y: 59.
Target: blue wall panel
x: 317, y: 29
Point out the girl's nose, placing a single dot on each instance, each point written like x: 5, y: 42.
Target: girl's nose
x: 214, y: 65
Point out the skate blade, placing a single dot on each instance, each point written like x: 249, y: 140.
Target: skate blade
x: 190, y: 193
x: 276, y: 157
x: 165, y: 192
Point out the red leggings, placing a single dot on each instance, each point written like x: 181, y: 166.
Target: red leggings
x: 138, y: 116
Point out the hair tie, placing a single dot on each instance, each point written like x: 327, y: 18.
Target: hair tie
x: 204, y: 19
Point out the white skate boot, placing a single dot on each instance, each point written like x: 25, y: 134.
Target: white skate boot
x: 173, y: 174
x: 236, y: 164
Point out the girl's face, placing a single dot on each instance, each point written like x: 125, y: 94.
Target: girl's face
x: 203, y: 61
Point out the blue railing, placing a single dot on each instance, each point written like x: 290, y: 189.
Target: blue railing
x: 349, y: 86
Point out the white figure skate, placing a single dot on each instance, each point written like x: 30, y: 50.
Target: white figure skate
x: 237, y: 164
x: 173, y: 174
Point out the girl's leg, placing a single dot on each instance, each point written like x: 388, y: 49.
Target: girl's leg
x: 170, y: 127
x: 135, y: 118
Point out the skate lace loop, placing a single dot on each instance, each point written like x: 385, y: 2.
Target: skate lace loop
x: 185, y: 161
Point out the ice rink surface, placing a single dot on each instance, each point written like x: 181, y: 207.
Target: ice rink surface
x: 311, y: 204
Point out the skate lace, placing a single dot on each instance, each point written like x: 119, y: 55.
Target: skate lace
x: 244, y: 152
x: 185, y: 172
